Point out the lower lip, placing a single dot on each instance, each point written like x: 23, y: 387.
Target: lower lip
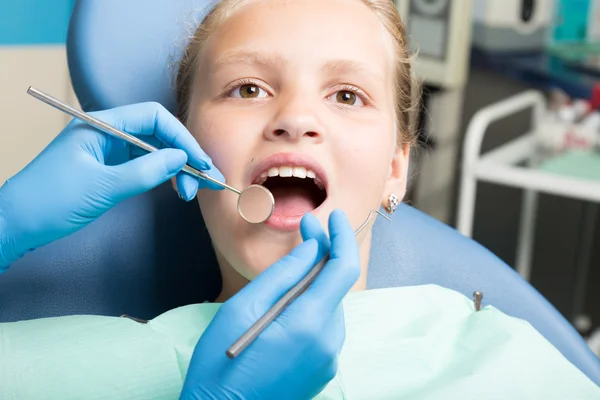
x: 284, y: 223
x: 288, y: 223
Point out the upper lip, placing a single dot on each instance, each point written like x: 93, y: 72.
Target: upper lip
x: 290, y: 160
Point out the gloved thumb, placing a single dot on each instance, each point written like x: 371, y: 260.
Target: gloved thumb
x: 311, y: 228
x: 145, y: 173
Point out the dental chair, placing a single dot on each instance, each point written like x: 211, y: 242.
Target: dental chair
x: 152, y: 253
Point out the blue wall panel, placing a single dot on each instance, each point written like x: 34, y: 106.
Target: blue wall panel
x: 34, y: 22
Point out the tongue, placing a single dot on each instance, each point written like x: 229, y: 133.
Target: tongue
x: 293, y: 201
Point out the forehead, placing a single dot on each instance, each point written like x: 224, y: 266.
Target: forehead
x: 328, y: 33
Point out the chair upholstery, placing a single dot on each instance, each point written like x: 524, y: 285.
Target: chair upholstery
x: 152, y: 252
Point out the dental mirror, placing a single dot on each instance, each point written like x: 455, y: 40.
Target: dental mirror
x: 255, y: 203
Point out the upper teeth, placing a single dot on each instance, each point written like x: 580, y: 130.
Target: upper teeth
x: 287, y: 172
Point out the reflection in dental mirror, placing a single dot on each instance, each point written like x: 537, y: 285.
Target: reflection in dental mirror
x: 255, y: 204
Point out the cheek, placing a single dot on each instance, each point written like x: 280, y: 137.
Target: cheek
x: 363, y: 170
x: 228, y: 139
x: 220, y: 216
x: 224, y: 136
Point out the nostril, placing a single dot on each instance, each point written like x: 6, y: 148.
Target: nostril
x: 293, y: 134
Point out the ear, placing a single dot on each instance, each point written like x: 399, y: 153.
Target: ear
x: 398, y: 177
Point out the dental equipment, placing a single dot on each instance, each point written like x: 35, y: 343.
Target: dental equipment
x: 261, y: 324
x: 477, y: 297
x: 255, y: 203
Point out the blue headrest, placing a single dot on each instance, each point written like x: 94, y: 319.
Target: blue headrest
x: 125, y: 52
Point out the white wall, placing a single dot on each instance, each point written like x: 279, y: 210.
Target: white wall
x: 26, y: 124
x: 32, y: 53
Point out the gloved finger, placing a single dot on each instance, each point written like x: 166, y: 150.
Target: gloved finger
x: 153, y: 119
x: 343, y: 238
x: 144, y: 173
x: 325, y: 333
x: 280, y: 277
x: 311, y: 228
x: 135, y: 152
x: 188, y: 185
x: 342, y: 270
x: 151, y: 140
x: 330, y: 344
x: 336, y: 325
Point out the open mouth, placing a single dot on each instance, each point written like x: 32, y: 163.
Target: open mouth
x: 297, y: 190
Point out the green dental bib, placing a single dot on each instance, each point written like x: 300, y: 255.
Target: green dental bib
x: 421, y: 342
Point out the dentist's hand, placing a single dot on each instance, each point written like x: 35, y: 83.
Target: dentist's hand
x: 296, y: 356
x: 83, y: 173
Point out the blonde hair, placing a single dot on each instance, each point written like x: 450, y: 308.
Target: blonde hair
x: 406, y: 88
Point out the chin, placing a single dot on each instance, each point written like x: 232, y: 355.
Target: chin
x: 266, y: 253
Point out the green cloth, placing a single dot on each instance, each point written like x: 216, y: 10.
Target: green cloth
x: 94, y: 357
x: 584, y: 164
x: 421, y: 342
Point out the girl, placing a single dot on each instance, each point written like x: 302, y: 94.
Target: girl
x: 313, y: 99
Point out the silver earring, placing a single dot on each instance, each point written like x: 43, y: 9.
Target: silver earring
x: 393, y: 203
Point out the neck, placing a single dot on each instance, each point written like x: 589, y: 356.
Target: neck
x: 233, y: 282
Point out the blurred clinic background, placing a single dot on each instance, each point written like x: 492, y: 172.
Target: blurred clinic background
x: 510, y: 127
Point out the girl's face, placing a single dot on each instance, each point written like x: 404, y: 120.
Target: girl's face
x: 297, y: 95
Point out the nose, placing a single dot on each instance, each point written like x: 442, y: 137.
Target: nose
x: 295, y: 120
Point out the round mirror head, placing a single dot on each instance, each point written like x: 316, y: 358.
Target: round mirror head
x: 256, y: 204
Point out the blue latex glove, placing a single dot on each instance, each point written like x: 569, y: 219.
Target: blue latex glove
x: 296, y: 356
x: 84, y: 172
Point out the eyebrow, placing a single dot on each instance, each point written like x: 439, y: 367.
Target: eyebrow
x: 250, y: 58
x: 272, y: 60
x: 346, y: 66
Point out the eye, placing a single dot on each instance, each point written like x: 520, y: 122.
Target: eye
x: 248, y: 91
x: 347, y: 97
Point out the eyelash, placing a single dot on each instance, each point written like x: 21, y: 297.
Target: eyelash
x: 345, y: 88
x: 242, y: 82
x: 349, y: 88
